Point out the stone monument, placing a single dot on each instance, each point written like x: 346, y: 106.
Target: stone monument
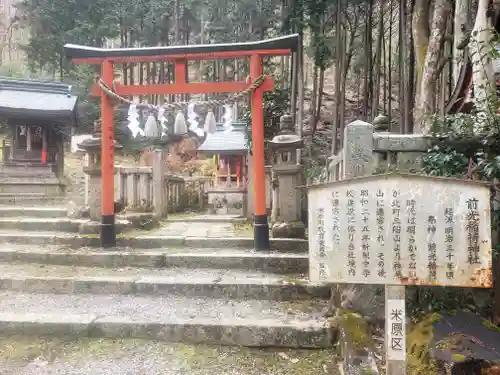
x: 92, y: 148
x: 288, y: 177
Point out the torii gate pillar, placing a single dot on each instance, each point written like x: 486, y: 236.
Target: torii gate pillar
x: 261, y: 225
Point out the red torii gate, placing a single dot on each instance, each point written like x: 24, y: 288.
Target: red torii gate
x: 180, y: 55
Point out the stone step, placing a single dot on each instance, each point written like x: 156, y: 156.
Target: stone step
x: 53, y: 188
x: 30, y: 211
x: 46, y: 237
x: 169, y: 318
x: 245, y: 259
x: 29, y: 199
x: 213, y: 283
x: 41, y: 224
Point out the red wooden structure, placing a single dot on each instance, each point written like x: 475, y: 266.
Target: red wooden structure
x: 180, y: 55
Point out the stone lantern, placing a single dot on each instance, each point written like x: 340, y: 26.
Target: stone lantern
x: 92, y: 148
x: 288, y: 176
x: 381, y: 123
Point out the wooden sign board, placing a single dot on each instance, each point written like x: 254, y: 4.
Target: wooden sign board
x: 399, y: 230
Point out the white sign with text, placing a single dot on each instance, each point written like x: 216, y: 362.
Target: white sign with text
x: 399, y: 230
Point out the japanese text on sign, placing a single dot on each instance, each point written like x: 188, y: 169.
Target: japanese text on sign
x: 396, y: 314
x: 400, y: 230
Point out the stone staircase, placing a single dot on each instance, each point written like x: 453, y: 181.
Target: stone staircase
x: 194, y: 290
x: 31, y: 221
x: 29, y: 184
x: 35, y: 219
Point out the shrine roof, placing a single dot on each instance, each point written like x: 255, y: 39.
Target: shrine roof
x: 25, y: 98
x: 226, y: 142
x: 73, y: 51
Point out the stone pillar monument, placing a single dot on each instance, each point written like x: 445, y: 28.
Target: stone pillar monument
x: 288, y: 178
x: 92, y: 148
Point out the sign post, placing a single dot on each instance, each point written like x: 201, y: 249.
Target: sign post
x: 397, y: 230
x: 395, y: 329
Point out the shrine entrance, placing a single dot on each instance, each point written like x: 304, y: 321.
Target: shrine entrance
x: 180, y: 55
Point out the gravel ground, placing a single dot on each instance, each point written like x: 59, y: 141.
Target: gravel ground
x: 35, y: 356
x: 165, y: 309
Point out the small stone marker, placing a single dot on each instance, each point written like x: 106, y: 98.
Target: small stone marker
x: 398, y: 230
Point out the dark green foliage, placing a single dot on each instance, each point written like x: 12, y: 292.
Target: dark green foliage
x: 463, y: 140
x: 276, y: 103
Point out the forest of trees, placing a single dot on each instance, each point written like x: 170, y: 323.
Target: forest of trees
x: 407, y: 60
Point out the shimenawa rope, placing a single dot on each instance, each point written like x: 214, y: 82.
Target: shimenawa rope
x: 181, y: 105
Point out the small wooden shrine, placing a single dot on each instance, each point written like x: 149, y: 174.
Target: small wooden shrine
x: 229, y: 149
x: 34, y: 116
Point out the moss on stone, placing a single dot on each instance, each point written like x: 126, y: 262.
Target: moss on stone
x: 295, y: 280
x: 194, y: 359
x: 490, y: 325
x: 458, y: 357
x: 90, y: 235
x: 356, y: 329
x: 419, y: 338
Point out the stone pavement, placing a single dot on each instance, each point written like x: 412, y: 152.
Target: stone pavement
x: 176, y: 301
x: 201, y: 229
x: 210, y: 226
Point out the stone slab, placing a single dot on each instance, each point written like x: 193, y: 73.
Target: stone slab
x: 40, y: 224
x: 207, y: 219
x: 229, y: 333
x: 384, y: 142
x: 245, y: 259
x: 94, y: 227
x: 173, y: 282
x: 177, y: 319
x: 45, y: 324
x: 46, y: 212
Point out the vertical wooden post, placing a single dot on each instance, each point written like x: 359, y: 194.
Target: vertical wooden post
x: 261, y: 225
x: 358, y: 160
x: 159, y: 196
x: 13, y: 142
x: 28, y: 138
x: 395, y: 313
x: 44, y: 144
x: 108, y: 233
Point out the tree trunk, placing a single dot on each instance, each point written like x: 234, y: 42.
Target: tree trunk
x: 427, y: 93
x: 411, y: 75
x: 459, y: 28
x: 482, y: 67
x: 319, y: 99
x: 378, y: 60
x: 314, y: 90
x: 420, y: 24
x: 338, y: 67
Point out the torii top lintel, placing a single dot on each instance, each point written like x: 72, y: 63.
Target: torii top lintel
x: 281, y: 46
